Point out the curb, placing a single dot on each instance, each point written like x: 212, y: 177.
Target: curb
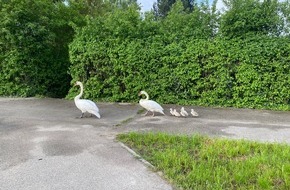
x: 136, y: 155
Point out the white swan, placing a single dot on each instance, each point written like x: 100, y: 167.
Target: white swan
x: 175, y: 113
x: 183, y: 112
x: 194, y: 113
x: 150, y: 105
x: 171, y: 111
x: 85, y: 105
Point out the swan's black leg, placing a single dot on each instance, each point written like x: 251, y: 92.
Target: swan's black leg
x: 146, y: 113
x: 82, y: 115
x: 153, y: 114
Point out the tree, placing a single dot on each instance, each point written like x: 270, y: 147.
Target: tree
x: 95, y: 8
x: 285, y: 15
x: 251, y: 17
x: 181, y: 25
x: 162, y: 7
x: 89, y: 7
x: 34, y: 39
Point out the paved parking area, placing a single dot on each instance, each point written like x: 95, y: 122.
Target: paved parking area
x: 44, y: 146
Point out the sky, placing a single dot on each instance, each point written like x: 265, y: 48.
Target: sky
x: 146, y: 5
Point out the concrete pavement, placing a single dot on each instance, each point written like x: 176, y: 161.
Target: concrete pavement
x: 44, y: 146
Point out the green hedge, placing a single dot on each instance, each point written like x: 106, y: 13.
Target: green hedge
x: 178, y: 59
x: 115, y: 63
x: 34, y: 38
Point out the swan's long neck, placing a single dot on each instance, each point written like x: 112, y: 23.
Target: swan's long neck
x: 81, y: 93
x: 147, y: 96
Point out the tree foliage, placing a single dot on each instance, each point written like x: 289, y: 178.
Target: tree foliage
x: 95, y: 8
x: 179, y: 63
x: 239, y: 57
x: 162, y: 7
x: 252, y: 17
x: 34, y: 52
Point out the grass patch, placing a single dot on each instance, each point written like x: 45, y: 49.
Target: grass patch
x: 200, y: 162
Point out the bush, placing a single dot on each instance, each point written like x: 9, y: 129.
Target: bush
x: 34, y: 39
x: 262, y: 78
x: 115, y: 63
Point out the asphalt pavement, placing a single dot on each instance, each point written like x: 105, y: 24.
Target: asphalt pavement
x: 43, y: 145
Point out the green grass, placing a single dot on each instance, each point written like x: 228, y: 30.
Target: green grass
x: 200, y: 162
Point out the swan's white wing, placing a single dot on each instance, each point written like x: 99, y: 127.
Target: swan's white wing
x: 96, y: 113
x: 87, y: 106
x: 84, y: 104
x: 93, y: 104
x: 151, y: 106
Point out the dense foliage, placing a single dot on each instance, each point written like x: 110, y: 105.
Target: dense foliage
x: 34, y: 38
x: 162, y: 7
x: 190, y: 54
x: 180, y: 59
x: 34, y: 52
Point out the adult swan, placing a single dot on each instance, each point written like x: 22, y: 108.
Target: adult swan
x: 85, y: 105
x: 150, y: 105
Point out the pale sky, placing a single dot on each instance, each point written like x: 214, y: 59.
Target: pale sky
x: 146, y: 5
